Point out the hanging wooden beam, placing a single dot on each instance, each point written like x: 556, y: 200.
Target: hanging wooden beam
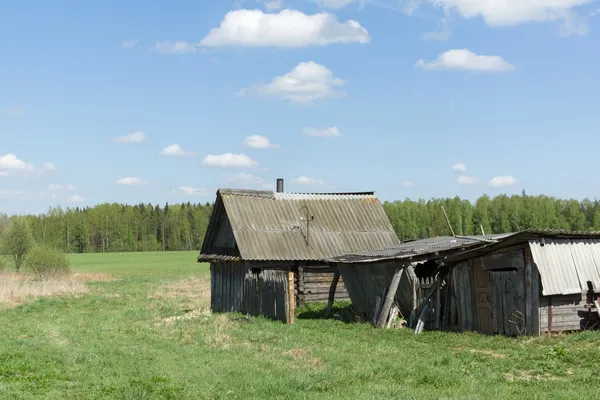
x: 336, y: 278
x: 389, y: 298
x: 291, y: 298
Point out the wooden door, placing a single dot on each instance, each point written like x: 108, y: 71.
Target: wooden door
x: 482, y: 297
x: 505, y: 302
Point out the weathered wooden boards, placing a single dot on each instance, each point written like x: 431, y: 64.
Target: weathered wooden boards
x: 334, y: 283
x: 235, y: 288
x: 389, y: 297
x: 291, y: 304
x: 314, y: 283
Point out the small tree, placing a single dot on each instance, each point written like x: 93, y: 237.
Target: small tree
x: 16, y: 241
x: 46, y: 262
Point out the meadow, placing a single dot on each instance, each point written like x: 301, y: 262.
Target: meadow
x: 140, y: 327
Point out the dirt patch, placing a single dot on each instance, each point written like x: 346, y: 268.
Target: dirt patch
x: 489, y: 353
x: 15, y: 289
x: 531, y: 376
x: 304, y: 358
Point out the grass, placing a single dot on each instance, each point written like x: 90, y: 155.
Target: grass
x: 146, y: 332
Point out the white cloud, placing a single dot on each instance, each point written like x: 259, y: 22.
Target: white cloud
x: 335, y: 4
x: 460, y: 167
x: 407, y: 184
x: 76, y: 199
x: 574, y: 25
x: 229, y: 160
x: 305, y: 180
x: 259, y: 142
x: 444, y: 33
x: 135, y: 137
x: 308, y: 81
x: 57, y: 187
x: 595, y: 12
x: 129, y: 44
x: 48, y: 166
x: 175, y: 150
x: 512, y: 12
x: 11, y: 162
x: 466, y: 180
x: 274, y: 5
x: 332, y: 131
x: 463, y: 59
x: 3, y: 173
x: 130, y: 181
x: 179, y: 47
x: 192, y: 191
x: 16, y: 112
x: 288, y: 28
x: 246, y: 179
x: 502, y: 181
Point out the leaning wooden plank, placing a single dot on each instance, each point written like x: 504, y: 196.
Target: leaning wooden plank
x: 393, y: 313
x: 438, y: 304
x: 290, y: 300
x: 422, y: 317
x: 334, y: 282
x: 389, y: 298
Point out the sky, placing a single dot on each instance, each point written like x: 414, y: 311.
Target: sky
x: 167, y: 101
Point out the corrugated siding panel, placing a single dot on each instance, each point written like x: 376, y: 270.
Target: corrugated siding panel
x: 566, y: 265
x: 272, y: 228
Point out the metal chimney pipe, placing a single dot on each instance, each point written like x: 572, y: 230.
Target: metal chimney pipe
x: 279, y: 185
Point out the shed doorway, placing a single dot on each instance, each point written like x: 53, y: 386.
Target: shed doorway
x: 506, y: 303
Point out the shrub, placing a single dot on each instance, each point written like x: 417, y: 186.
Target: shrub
x: 45, y: 261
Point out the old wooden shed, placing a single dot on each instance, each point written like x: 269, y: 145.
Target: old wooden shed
x: 526, y: 283
x: 369, y: 277
x: 266, y: 249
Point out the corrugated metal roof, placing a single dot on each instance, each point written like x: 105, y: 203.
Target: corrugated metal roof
x: 566, y: 265
x: 424, y: 248
x: 273, y: 226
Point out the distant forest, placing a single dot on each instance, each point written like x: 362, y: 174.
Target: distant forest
x: 146, y: 227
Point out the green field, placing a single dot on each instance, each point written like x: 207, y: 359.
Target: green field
x: 149, y: 335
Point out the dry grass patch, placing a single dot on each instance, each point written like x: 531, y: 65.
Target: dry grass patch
x: 98, y: 277
x: 193, y: 293
x: 304, y: 358
x: 531, y: 375
x: 16, y: 289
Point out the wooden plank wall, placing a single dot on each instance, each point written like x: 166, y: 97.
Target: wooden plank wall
x: 462, y: 303
x: 568, y: 313
x: 312, y: 285
x: 235, y: 288
x: 365, y: 283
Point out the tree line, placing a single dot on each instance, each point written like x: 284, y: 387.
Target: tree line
x: 146, y: 227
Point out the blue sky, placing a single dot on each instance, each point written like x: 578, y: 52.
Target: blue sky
x: 419, y: 98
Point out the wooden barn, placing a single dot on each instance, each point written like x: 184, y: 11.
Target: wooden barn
x: 266, y: 249
x: 404, y: 276
x: 529, y: 282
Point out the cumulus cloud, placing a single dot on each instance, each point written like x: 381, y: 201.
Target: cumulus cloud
x: 308, y: 81
x: 332, y: 131
x: 59, y: 187
x: 192, y: 191
x: 511, y: 12
x: 130, y: 181
x: 178, y: 47
x: 288, y: 28
x: 502, y: 181
x: 460, y: 167
x: 48, y: 166
x: 12, y: 162
x: 75, y: 199
x: 174, y: 150
x: 274, y: 5
x: 259, y: 142
x: 466, y: 180
x: 305, y: 180
x: 135, y: 137
x: 129, y: 44
x: 464, y: 59
x: 407, y: 183
x: 229, y: 160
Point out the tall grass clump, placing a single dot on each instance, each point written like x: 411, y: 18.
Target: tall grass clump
x: 46, y: 262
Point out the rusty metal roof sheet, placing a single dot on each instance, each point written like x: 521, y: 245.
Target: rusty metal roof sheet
x: 566, y: 265
x: 418, y: 249
x: 274, y: 226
